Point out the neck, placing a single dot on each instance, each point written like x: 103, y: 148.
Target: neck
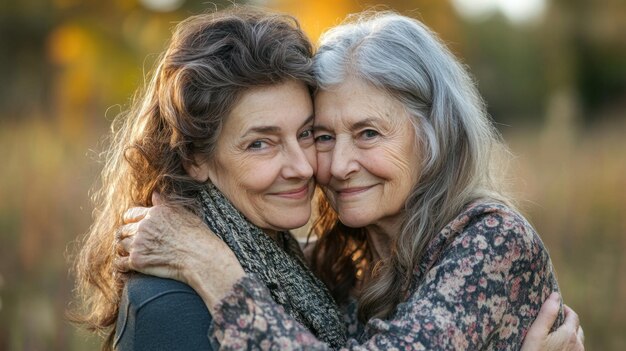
x: 380, y: 237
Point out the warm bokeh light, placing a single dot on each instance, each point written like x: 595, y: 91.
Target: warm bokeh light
x: 518, y: 11
x: 162, y: 5
x: 315, y: 16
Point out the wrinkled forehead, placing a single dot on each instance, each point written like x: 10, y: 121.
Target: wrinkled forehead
x: 275, y: 105
x: 353, y: 101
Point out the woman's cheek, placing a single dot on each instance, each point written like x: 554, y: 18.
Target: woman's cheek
x: 322, y: 175
x: 311, y: 155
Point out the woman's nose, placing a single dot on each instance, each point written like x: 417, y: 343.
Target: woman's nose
x: 297, y: 165
x: 344, y: 162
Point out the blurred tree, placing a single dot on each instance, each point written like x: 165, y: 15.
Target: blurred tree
x: 506, y: 61
x: 24, y: 70
x: 70, y: 60
x: 568, y: 64
x: 600, y: 45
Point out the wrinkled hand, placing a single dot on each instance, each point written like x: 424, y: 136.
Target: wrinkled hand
x: 157, y: 240
x: 174, y: 243
x: 568, y: 336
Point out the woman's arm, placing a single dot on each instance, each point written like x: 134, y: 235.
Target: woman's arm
x: 247, y: 315
x: 468, y: 299
x: 176, y: 244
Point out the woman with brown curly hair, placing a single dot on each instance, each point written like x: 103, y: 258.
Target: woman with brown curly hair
x: 224, y: 130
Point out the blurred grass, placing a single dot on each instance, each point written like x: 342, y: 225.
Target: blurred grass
x: 572, y: 181
x: 44, y: 182
x: 574, y: 184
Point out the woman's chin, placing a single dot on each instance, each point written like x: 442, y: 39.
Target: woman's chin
x: 353, y: 221
x: 286, y: 224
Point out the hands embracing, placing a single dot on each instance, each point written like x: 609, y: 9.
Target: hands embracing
x: 171, y: 242
x: 568, y: 336
x: 157, y: 240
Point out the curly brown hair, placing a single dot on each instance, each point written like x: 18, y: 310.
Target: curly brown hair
x: 176, y: 119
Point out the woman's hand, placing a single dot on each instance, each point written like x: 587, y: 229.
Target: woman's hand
x: 174, y: 243
x: 568, y: 336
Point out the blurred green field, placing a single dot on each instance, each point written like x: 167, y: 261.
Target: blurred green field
x: 44, y: 182
x: 571, y: 185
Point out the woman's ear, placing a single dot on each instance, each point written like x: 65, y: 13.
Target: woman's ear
x: 198, y: 169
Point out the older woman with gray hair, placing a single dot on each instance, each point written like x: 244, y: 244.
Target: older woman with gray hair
x: 416, y: 239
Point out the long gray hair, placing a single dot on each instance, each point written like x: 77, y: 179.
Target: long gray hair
x: 456, y: 139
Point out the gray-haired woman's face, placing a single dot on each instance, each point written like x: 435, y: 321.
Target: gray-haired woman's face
x: 367, y: 160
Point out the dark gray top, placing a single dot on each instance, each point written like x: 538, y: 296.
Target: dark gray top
x: 161, y: 314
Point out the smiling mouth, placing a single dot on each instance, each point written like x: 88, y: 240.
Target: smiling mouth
x: 347, y: 192
x: 295, y: 193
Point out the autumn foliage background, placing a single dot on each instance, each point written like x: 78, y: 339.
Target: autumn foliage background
x: 555, y: 83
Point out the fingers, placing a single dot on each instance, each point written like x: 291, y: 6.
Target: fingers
x: 125, y: 245
x: 539, y: 336
x: 135, y: 214
x: 539, y: 330
x: 548, y: 313
x: 122, y: 264
x: 568, y: 336
x: 126, y: 263
x: 571, y: 318
x: 120, y: 250
x: 125, y: 231
x: 123, y: 239
x: 580, y: 335
x: 572, y: 323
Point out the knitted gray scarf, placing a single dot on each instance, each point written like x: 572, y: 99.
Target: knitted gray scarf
x: 282, y: 270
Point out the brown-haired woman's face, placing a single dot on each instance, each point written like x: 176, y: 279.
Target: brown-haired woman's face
x: 265, y: 156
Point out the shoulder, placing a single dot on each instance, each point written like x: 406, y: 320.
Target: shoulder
x: 494, y: 235
x: 504, y: 242
x: 511, y: 247
x: 160, y: 311
x: 142, y: 289
x: 498, y: 226
x: 489, y: 214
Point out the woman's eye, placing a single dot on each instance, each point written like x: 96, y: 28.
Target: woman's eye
x: 370, y: 134
x: 257, y: 145
x: 323, y: 138
x: 306, y: 134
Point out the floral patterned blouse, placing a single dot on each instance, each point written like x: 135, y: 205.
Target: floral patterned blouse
x: 484, y: 279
